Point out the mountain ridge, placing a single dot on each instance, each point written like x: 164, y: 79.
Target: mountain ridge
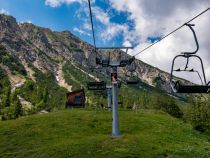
x: 37, y: 55
x: 43, y: 41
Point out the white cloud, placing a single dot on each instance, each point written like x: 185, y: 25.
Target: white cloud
x: 87, y: 25
x: 112, y: 30
x: 101, y: 16
x: 28, y: 21
x: 82, y: 32
x: 57, y: 3
x: 159, y: 18
x: 127, y: 43
x: 3, y: 11
x: 109, y: 30
x: 105, y: 30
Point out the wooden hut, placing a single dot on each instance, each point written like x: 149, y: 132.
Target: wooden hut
x: 76, y: 98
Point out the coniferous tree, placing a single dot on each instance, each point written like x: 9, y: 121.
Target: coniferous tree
x: 6, y: 97
x: 45, y: 94
x: 18, y: 111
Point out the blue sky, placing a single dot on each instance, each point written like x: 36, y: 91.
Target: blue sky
x: 58, y: 19
x: 64, y: 17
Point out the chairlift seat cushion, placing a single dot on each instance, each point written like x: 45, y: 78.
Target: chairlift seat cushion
x: 132, y: 82
x: 124, y: 63
x: 191, y: 88
x: 105, y: 63
x: 96, y: 85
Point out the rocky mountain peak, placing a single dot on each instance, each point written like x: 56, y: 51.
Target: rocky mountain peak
x: 8, y: 24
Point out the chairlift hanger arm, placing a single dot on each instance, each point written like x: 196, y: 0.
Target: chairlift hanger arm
x: 195, y: 37
x: 186, y: 66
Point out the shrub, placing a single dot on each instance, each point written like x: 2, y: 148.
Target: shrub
x: 12, y: 63
x: 198, y: 113
x: 18, y: 110
x: 8, y: 113
x: 168, y: 105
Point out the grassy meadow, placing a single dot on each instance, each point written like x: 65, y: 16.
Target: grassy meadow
x: 87, y: 133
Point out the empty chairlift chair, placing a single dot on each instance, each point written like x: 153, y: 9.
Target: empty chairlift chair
x: 130, y: 77
x: 96, y: 85
x: 179, y: 87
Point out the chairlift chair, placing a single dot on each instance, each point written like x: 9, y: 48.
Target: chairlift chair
x: 95, y: 85
x: 102, y: 62
x: 131, y: 79
x: 105, y: 62
x: 179, y: 87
